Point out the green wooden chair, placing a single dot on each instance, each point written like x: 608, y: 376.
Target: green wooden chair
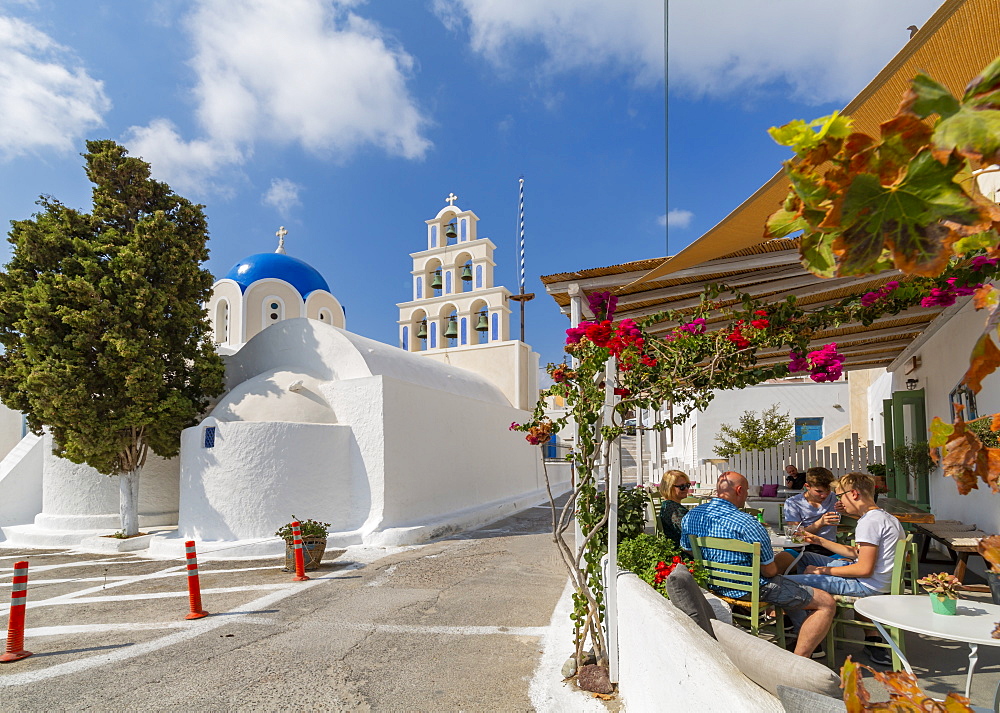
x: 740, y: 577
x: 904, y: 575
x: 655, y: 501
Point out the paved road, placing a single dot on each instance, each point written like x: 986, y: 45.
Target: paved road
x: 454, y: 625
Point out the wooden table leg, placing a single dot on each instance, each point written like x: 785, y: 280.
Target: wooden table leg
x: 961, y: 565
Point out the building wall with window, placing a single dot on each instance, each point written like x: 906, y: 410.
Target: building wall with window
x: 943, y: 361
x: 826, y: 406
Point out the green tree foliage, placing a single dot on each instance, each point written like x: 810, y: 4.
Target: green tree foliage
x: 755, y: 433
x: 106, y: 340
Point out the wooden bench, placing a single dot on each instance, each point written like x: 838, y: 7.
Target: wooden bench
x: 960, y: 539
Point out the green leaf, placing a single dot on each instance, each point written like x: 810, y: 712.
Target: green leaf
x: 783, y: 223
x: 802, y: 137
x: 907, y: 214
x: 974, y: 133
x: 982, y: 90
x: 927, y: 97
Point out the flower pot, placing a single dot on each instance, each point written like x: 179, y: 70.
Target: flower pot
x: 943, y: 605
x: 994, y: 581
x: 313, y: 549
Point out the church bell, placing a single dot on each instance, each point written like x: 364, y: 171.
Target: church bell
x: 422, y: 332
x: 449, y: 231
x: 451, y: 331
x: 482, y: 325
x: 436, y: 282
x: 467, y: 273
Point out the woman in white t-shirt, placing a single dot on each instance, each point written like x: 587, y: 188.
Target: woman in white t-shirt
x: 868, y: 569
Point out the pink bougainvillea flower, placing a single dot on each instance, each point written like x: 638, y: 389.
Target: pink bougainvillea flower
x: 981, y: 261
x: 513, y: 426
x: 602, y: 304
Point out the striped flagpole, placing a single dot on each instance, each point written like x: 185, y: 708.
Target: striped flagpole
x: 15, y: 625
x: 300, y: 562
x: 521, y: 295
x: 520, y: 222
x: 194, y: 583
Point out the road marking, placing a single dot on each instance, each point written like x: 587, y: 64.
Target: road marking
x: 56, y: 601
x: 453, y: 630
x: 199, y: 626
x: 141, y: 626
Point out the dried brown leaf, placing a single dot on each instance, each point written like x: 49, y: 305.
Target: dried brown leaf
x: 983, y: 361
x: 989, y: 548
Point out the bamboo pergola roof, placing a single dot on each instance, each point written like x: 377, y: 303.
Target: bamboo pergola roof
x: 769, y: 271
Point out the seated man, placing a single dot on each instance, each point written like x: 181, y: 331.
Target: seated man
x: 815, y: 509
x: 793, y: 478
x: 868, y: 569
x: 722, y: 517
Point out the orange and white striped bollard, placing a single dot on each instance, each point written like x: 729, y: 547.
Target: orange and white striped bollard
x: 300, y: 562
x: 15, y: 625
x: 194, y: 584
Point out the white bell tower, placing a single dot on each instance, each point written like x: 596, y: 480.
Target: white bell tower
x: 457, y: 315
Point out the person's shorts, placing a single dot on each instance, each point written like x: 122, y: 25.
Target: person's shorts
x: 785, y: 593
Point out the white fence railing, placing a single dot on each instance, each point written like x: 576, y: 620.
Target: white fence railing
x: 768, y: 466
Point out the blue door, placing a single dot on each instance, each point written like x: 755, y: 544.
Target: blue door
x: 808, y: 429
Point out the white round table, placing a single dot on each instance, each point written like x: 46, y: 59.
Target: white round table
x: 973, y: 622
x: 781, y: 542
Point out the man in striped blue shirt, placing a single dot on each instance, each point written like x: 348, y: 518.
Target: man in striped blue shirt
x: 722, y: 517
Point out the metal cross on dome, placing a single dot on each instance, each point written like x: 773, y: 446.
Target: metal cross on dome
x: 281, y: 239
x: 451, y: 198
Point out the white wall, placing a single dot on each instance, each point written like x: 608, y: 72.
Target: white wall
x: 10, y: 429
x: 445, y: 455
x: 21, y: 482
x: 667, y: 662
x: 77, y: 497
x: 260, y: 475
x: 944, y: 361
x: 800, y: 400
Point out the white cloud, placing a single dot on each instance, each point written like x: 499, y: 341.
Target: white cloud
x: 733, y: 48
x: 626, y: 34
x: 47, y: 101
x: 186, y: 165
x: 307, y: 72
x: 677, y: 218
x: 282, y: 195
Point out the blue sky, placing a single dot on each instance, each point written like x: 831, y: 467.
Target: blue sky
x: 348, y: 122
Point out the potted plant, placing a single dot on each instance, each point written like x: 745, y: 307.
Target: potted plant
x: 313, y: 542
x: 943, y: 588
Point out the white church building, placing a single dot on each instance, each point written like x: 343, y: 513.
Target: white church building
x: 391, y: 444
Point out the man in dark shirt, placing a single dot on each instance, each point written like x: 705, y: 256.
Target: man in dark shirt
x: 794, y: 479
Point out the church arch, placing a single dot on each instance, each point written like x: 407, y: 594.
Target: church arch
x: 478, y: 307
x: 222, y: 322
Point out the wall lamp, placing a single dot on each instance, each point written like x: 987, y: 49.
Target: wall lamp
x: 911, y: 384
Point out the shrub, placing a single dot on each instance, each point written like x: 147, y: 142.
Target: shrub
x: 642, y: 554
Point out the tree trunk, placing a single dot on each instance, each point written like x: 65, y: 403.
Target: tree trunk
x: 128, y: 489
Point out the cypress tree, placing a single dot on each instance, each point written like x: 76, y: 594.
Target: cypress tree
x: 107, y: 342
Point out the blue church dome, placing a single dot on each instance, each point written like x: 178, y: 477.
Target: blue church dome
x: 263, y: 266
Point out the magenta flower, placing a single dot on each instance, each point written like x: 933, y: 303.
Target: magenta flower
x: 981, y: 261
x: 602, y: 304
